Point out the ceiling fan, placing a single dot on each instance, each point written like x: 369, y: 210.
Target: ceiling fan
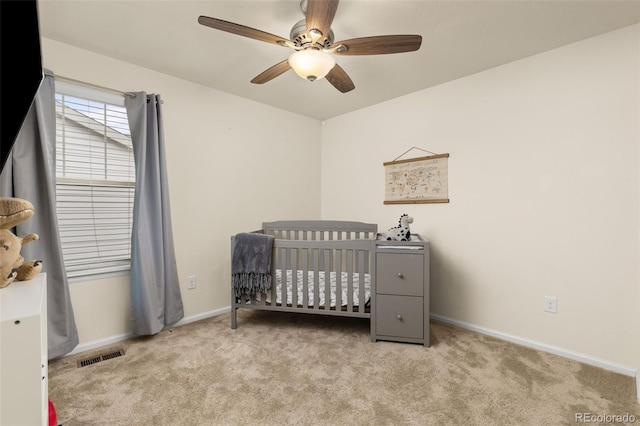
x: 312, y: 40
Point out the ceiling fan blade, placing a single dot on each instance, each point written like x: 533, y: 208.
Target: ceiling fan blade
x: 271, y: 73
x: 241, y: 30
x: 320, y: 14
x: 340, y: 80
x: 377, y: 45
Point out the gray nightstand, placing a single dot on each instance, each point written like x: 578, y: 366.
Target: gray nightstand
x: 400, y: 300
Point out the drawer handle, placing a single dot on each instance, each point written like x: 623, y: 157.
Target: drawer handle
x: 399, y: 317
x: 400, y: 275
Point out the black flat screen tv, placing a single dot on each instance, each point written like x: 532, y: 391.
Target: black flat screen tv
x: 21, y: 70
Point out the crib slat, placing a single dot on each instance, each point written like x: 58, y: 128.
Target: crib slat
x: 316, y: 279
x: 288, y: 267
x: 294, y: 278
x: 350, y: 280
x: 305, y: 279
x: 361, y: 271
x: 274, y: 292
x: 338, y: 272
x: 327, y: 279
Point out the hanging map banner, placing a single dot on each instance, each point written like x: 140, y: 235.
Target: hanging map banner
x: 417, y: 180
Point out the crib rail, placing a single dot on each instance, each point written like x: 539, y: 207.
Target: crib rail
x: 320, y: 230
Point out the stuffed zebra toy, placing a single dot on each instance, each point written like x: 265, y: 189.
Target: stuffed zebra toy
x: 401, y: 232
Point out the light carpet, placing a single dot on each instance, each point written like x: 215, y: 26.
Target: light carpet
x: 297, y: 369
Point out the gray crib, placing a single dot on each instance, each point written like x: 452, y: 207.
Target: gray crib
x: 318, y: 267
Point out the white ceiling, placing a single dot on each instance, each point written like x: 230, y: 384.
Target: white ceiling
x: 459, y: 38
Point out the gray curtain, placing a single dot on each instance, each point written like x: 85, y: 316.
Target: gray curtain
x: 30, y: 174
x: 155, y: 291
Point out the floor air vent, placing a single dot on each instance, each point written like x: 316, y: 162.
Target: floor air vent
x: 99, y: 358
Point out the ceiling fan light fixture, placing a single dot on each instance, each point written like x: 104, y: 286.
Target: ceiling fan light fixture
x: 311, y: 64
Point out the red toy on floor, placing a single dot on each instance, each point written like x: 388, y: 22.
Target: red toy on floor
x: 53, y: 419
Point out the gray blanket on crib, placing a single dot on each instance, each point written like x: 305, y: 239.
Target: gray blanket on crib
x: 251, y: 263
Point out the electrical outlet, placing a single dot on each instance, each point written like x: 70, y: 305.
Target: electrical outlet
x: 550, y: 304
x: 191, y: 282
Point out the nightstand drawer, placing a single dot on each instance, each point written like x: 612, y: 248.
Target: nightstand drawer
x: 400, y: 273
x: 399, y: 316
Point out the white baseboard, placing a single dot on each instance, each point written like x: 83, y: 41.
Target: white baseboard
x: 96, y: 344
x: 587, y: 359
x: 201, y: 316
x: 638, y: 386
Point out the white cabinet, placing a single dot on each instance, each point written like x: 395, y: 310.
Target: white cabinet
x: 24, y: 398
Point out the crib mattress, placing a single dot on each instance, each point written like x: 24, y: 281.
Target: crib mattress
x: 311, y: 282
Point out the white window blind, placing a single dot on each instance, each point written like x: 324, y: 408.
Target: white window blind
x: 95, y: 180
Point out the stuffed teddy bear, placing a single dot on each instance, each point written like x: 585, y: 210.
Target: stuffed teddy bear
x: 401, y: 232
x: 12, y: 266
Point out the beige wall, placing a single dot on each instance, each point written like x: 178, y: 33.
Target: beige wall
x: 543, y: 182
x: 232, y: 164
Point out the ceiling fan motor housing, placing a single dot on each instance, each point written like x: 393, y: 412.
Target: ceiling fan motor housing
x: 301, y: 39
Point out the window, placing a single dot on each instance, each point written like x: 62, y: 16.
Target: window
x: 95, y: 180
